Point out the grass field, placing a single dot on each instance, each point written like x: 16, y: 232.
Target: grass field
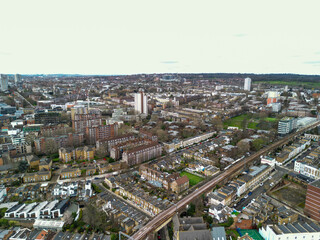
x: 252, y: 233
x: 193, y: 179
x: 252, y: 123
x: 292, y: 83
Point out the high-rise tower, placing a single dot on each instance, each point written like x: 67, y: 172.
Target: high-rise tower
x: 247, y: 84
x: 141, y: 103
x: 3, y: 83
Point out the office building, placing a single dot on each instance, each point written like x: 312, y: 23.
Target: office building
x: 3, y: 83
x: 287, y: 125
x: 141, y: 103
x: 247, y: 84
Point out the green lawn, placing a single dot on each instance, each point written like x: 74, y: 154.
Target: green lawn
x: 252, y: 123
x: 193, y: 179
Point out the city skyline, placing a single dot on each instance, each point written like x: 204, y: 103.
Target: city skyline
x: 100, y: 37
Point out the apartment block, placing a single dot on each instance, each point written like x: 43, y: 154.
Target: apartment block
x: 117, y: 150
x: 80, y: 153
x: 99, y: 132
x: 142, y: 153
x: 312, y: 205
x: 110, y: 142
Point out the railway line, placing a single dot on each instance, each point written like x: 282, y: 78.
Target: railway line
x: 164, y: 216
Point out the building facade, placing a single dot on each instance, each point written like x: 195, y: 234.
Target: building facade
x: 141, y: 103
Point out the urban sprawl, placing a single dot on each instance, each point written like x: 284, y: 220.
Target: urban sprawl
x: 158, y: 156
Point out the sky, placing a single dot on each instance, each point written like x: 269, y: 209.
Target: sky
x: 149, y: 36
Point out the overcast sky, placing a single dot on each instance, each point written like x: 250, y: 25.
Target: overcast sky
x: 125, y: 37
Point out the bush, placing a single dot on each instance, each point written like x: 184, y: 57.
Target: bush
x: 106, y: 185
x: 228, y: 223
x: 96, y: 188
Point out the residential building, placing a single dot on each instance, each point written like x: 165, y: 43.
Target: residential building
x: 180, y: 184
x: 45, y: 164
x: 17, y: 79
x: 3, y: 83
x: 256, y: 175
x: 247, y: 84
x: 40, y: 176
x: 188, y: 228
x: 99, y: 132
x: 142, y: 153
x: 83, y: 118
x: 47, y: 118
x: 141, y: 103
x: 110, y: 142
x: 312, y: 205
x: 220, y: 212
x: 80, y: 153
x: 70, y: 173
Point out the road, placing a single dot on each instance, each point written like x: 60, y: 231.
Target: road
x: 162, y: 217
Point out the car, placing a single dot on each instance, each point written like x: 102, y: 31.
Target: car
x: 261, y: 184
x: 250, y: 193
x: 246, y: 196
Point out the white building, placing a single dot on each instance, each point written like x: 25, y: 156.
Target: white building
x: 141, y: 103
x: 268, y: 160
x: 64, y: 190
x: 3, y: 83
x: 35, y: 213
x: 294, y: 231
x: 247, y: 84
x: 287, y: 125
x: 17, y: 79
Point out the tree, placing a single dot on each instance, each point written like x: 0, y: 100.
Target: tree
x: 257, y: 144
x: 50, y: 146
x: 23, y: 166
x: 95, y: 218
x: 243, y: 146
x: 217, y: 123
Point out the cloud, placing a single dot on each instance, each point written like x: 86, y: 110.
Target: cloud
x: 317, y: 53
x: 5, y: 53
x: 240, y: 35
x: 312, y: 62
x: 170, y: 62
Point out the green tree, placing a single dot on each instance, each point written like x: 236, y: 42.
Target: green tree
x: 23, y: 166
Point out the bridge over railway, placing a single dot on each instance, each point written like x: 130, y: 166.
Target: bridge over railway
x: 165, y: 216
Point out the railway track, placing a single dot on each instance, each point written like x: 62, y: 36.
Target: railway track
x: 162, y: 217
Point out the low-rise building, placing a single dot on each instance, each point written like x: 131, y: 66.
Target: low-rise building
x: 40, y: 176
x: 70, y: 173
x: 297, y: 230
